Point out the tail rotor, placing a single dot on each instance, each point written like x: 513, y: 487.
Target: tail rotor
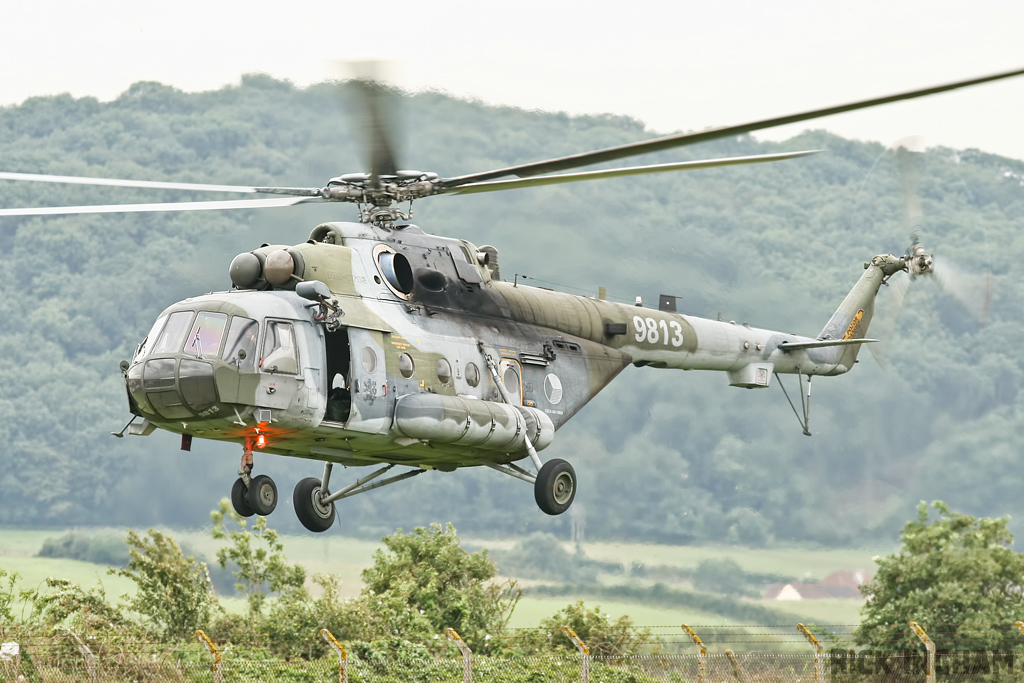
x: 972, y: 291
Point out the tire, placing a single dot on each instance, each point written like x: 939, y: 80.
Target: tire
x: 239, y: 499
x: 313, y: 514
x: 556, y: 487
x: 262, y: 495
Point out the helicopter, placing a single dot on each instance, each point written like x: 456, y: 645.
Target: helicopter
x: 377, y: 344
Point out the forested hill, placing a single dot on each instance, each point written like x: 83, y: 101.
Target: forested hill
x: 661, y: 455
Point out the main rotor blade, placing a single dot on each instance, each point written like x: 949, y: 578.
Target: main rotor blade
x: 366, y: 77
x: 157, y: 184
x: 496, y: 185
x: 378, y: 131
x: 682, y: 139
x: 165, y: 206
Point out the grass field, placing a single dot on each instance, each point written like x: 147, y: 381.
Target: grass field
x: 530, y: 611
x: 802, y: 563
x: 346, y: 558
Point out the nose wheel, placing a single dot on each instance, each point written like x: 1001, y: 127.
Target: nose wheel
x: 252, y: 495
x: 259, y: 498
x: 240, y: 499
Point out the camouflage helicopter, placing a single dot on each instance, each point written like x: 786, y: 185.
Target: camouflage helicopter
x: 375, y: 343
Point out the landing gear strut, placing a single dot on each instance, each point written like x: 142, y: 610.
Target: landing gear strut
x: 554, y: 487
x: 314, y: 503
x: 252, y: 495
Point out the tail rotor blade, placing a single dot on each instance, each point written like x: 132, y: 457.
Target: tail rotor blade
x: 972, y: 291
x: 909, y: 152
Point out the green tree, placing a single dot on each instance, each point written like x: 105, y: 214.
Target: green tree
x: 173, y: 591
x: 604, y: 636
x: 955, y: 575
x: 541, y: 556
x: 722, y: 576
x: 64, y: 604
x: 254, y: 564
x: 425, y: 581
x: 294, y: 619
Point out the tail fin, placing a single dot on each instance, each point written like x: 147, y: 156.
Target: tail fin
x: 851, y: 319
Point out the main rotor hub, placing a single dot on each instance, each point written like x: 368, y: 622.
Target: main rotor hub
x: 380, y: 192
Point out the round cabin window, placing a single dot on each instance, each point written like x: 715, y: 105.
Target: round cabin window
x: 369, y: 360
x: 444, y: 371
x: 472, y: 374
x: 406, y: 366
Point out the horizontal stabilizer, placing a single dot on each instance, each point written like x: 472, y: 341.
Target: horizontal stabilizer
x: 796, y: 346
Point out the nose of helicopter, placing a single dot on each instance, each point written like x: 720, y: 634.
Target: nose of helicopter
x: 173, y: 388
x: 188, y: 363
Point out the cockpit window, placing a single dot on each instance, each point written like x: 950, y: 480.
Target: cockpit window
x: 207, y: 332
x: 279, y: 349
x: 150, y: 339
x: 174, y: 333
x: 241, y: 346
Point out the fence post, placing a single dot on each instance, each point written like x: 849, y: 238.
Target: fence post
x: 702, y: 664
x: 467, y: 654
x: 929, y: 646
x: 736, y: 668
x: 819, y: 664
x: 87, y: 655
x: 342, y: 654
x: 584, y: 653
x: 218, y: 665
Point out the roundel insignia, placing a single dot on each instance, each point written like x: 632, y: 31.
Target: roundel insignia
x: 553, y: 389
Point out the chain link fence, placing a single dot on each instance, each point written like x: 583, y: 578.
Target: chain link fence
x: 45, y: 664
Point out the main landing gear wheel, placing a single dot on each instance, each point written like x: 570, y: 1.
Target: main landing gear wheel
x: 313, y: 514
x: 262, y: 495
x: 555, y: 488
x: 239, y: 499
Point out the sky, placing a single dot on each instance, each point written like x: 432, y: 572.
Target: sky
x: 675, y: 66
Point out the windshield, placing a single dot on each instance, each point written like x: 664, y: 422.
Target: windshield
x: 174, y: 333
x: 206, y: 335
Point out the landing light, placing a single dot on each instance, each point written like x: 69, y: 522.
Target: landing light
x: 261, y: 441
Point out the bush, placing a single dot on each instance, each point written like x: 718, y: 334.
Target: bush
x: 174, y: 591
x: 604, y: 637
x: 424, y: 582
x: 724, y: 577
x: 105, y: 549
x: 295, y: 619
x: 541, y: 556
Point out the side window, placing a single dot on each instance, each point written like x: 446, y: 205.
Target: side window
x: 173, y: 336
x: 150, y: 340
x: 241, y: 346
x: 207, y: 332
x: 279, y: 349
x: 512, y: 379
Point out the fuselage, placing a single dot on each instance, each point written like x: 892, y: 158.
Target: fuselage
x: 397, y: 366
